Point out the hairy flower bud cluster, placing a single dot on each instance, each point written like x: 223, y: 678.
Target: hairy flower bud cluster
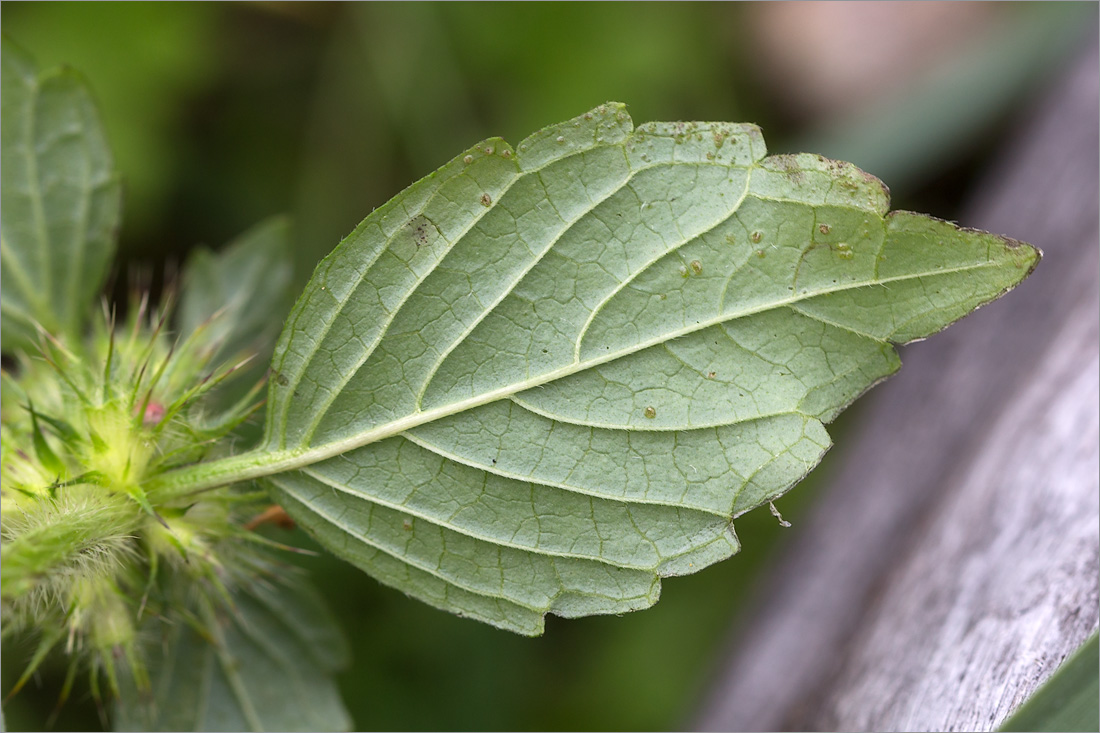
x: 89, y: 557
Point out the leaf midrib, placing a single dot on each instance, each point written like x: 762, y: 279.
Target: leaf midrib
x: 80, y: 238
x: 38, y: 298
x: 259, y: 463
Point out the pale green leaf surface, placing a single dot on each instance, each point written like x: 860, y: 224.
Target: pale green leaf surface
x: 271, y: 668
x: 544, y: 377
x: 60, y: 202
x: 237, y: 294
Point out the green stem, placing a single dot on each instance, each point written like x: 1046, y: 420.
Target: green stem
x: 212, y: 474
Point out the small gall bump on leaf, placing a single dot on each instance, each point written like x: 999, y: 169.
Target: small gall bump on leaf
x: 560, y: 140
x: 468, y: 159
x: 760, y: 253
x: 756, y: 237
x: 712, y: 375
x: 697, y: 267
x: 488, y: 151
x: 683, y: 271
x: 486, y: 199
x: 824, y: 228
x: 407, y: 525
x: 650, y: 412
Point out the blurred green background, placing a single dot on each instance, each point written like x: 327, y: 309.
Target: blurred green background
x: 223, y: 114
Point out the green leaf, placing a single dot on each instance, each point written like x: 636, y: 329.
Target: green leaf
x: 1069, y: 700
x: 543, y: 378
x: 60, y: 200
x: 239, y: 295
x: 42, y: 449
x: 268, y: 664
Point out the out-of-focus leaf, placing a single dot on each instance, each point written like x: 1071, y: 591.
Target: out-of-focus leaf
x: 543, y: 378
x: 239, y: 295
x: 146, y: 62
x: 269, y: 664
x: 394, y: 70
x: 59, y: 207
x: 1069, y: 700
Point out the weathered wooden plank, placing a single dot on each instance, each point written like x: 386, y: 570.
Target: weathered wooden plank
x: 953, y: 562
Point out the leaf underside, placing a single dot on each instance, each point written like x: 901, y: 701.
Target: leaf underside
x: 544, y: 377
x: 60, y: 206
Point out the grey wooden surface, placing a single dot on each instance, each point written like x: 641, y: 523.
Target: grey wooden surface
x: 952, y: 562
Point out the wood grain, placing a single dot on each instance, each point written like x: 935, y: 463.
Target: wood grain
x: 952, y: 564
